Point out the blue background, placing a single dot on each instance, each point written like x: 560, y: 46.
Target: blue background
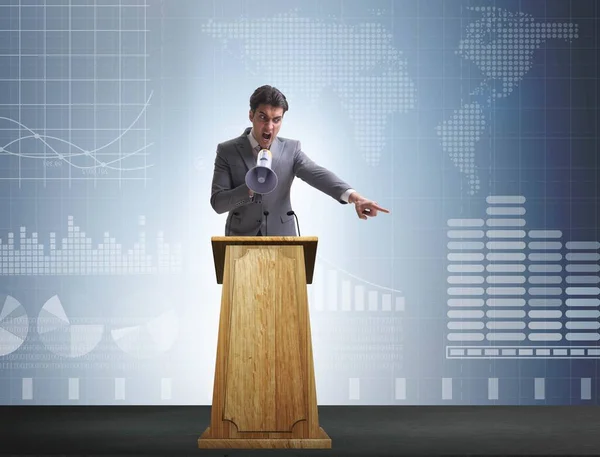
x: 110, y: 113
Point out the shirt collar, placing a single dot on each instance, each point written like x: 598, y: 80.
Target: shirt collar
x: 255, y: 146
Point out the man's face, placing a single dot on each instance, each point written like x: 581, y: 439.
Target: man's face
x: 266, y: 122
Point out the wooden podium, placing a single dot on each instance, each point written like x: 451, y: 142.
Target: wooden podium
x: 264, y: 393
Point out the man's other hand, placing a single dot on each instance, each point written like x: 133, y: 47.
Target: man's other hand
x: 364, y: 207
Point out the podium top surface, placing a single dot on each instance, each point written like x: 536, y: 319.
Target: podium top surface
x: 256, y: 240
x: 219, y: 243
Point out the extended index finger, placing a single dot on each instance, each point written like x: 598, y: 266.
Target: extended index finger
x: 379, y: 208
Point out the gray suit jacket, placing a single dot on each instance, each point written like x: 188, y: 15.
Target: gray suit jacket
x: 230, y: 193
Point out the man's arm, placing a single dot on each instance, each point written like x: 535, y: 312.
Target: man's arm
x: 318, y: 177
x: 223, y: 198
x: 327, y: 182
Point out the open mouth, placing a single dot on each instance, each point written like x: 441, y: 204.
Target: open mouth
x: 266, y: 136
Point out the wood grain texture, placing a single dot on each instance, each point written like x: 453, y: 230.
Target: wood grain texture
x: 264, y: 392
x: 309, y: 243
x: 322, y: 442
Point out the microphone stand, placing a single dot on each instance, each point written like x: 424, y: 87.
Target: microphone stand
x: 266, y: 213
x: 291, y: 213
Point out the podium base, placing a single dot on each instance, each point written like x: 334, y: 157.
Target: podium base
x: 321, y: 442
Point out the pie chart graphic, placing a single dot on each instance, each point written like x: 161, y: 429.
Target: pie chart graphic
x: 14, y: 324
x: 149, y: 337
x: 61, y: 336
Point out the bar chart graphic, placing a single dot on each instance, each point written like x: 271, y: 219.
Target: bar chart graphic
x: 335, y: 289
x: 76, y: 255
x: 358, y: 332
x: 515, y: 292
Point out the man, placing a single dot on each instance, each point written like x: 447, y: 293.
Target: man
x: 235, y: 157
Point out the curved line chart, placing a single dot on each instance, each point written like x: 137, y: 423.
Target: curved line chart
x: 9, y: 148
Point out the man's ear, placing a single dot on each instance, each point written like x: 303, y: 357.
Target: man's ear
x: 250, y: 115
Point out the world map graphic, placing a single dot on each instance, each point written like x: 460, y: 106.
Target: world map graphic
x: 360, y: 64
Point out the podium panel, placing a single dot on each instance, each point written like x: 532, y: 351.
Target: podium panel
x: 264, y: 391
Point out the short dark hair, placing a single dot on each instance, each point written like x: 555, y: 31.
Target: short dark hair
x: 268, y: 95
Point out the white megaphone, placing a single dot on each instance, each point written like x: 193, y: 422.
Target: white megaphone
x: 261, y: 179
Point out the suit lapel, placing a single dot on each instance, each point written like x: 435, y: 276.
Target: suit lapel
x: 244, y: 149
x: 275, y: 151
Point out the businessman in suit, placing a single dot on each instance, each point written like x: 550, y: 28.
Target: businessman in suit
x: 235, y: 157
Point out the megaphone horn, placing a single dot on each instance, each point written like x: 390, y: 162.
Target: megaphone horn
x: 261, y: 179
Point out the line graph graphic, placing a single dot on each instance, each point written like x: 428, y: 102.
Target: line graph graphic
x: 11, y: 147
x: 74, y: 91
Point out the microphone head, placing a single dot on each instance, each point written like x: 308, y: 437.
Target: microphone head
x: 290, y: 213
x: 266, y: 213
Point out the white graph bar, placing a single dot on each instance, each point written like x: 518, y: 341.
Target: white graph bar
x: 586, y: 388
x: 346, y: 295
x: 446, y: 388
x: 359, y: 298
x: 354, y: 389
x: 119, y: 388
x: 400, y: 390
x: 386, y: 302
x: 332, y: 295
x: 27, y: 389
x: 505, y: 199
x: 373, y: 300
x: 73, y: 388
x: 318, y: 289
x: 400, y: 303
x: 165, y: 388
x: 540, y: 389
x: 493, y: 389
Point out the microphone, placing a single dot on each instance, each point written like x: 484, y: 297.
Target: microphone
x: 235, y: 213
x: 291, y: 213
x: 266, y: 213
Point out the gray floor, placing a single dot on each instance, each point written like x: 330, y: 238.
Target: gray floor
x: 354, y: 430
